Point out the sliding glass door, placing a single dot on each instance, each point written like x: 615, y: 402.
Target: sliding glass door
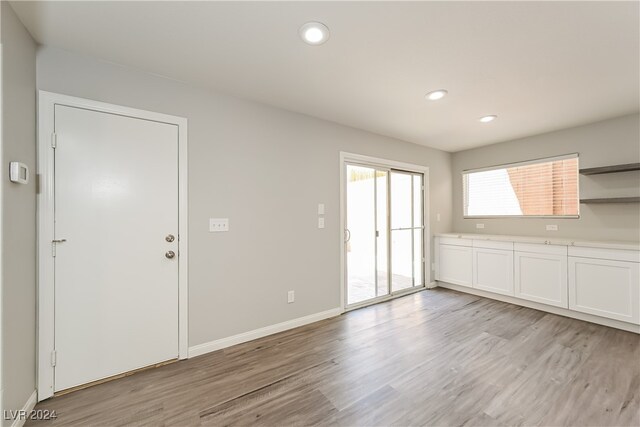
x: 406, y: 230
x: 384, y: 232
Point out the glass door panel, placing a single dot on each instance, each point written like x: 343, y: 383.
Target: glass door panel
x: 401, y: 201
x: 406, y: 230
x: 361, y: 244
x: 382, y: 231
x: 418, y: 272
x: 367, y: 245
x: 418, y: 231
x: 401, y: 260
x: 384, y: 235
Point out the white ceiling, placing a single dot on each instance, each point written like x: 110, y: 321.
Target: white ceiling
x: 539, y: 66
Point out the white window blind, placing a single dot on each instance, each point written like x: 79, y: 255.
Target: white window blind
x: 547, y: 187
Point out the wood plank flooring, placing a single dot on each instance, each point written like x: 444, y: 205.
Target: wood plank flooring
x: 437, y: 357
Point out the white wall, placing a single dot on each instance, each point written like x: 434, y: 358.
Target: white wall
x: 18, y: 213
x: 609, y: 142
x: 264, y: 168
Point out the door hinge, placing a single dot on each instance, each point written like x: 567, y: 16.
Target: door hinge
x: 54, y: 357
x: 54, y: 140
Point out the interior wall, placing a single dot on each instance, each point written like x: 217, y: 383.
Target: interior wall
x: 265, y: 169
x: 18, y: 212
x: 609, y: 142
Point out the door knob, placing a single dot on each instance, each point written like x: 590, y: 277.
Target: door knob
x: 170, y: 254
x: 170, y: 238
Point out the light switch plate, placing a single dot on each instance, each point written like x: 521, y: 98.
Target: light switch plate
x: 291, y: 297
x: 320, y: 222
x: 218, y: 224
x: 320, y: 208
x: 552, y: 227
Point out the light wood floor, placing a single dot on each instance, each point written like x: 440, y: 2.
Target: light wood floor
x: 437, y: 357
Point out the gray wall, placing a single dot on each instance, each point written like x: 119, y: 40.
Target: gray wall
x: 604, y: 143
x: 18, y: 212
x: 264, y: 168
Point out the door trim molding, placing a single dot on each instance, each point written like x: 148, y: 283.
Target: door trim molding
x: 45, y: 209
x: 346, y: 157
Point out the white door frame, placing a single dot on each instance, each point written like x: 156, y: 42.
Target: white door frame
x: 345, y: 158
x: 1, y: 240
x: 46, y: 317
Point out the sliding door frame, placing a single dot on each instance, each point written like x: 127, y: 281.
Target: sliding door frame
x: 387, y: 165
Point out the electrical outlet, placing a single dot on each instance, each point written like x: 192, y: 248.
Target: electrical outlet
x: 479, y: 225
x: 438, y: 217
x: 433, y: 265
x: 552, y: 227
x: 320, y: 222
x: 291, y: 297
x: 218, y: 224
x: 320, y: 208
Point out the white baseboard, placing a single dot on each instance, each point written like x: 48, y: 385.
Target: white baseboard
x: 543, y: 307
x: 26, y: 409
x: 208, y: 347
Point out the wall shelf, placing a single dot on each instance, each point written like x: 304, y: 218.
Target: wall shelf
x: 611, y: 169
x: 612, y: 200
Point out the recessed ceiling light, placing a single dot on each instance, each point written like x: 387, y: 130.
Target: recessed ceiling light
x: 314, y: 33
x: 436, y: 94
x: 487, y: 119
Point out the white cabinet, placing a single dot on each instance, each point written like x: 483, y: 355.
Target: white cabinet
x: 493, y: 270
x: 455, y: 264
x: 541, y: 277
x: 605, y: 287
x: 596, y: 280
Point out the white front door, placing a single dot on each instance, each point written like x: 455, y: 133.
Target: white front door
x: 116, y: 208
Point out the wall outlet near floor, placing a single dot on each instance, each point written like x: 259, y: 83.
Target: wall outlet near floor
x: 479, y: 225
x: 552, y: 227
x: 291, y: 297
x: 218, y: 224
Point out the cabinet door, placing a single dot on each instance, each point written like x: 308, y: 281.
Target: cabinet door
x: 455, y: 264
x: 493, y: 270
x: 541, y: 278
x: 605, y: 288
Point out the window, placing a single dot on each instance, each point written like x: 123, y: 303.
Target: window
x: 547, y: 187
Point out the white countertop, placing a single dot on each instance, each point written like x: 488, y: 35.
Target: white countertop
x: 545, y: 240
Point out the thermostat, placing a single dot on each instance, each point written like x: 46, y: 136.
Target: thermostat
x: 19, y: 172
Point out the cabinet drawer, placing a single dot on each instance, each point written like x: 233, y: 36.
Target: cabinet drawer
x: 492, y: 244
x: 601, y: 253
x: 538, y: 248
x: 456, y: 241
x: 605, y: 288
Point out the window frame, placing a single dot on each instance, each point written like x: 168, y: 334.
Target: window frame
x: 516, y: 164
